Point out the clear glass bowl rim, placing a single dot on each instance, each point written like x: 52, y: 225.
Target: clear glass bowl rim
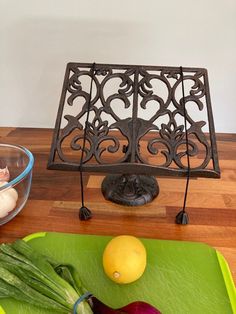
x: 26, y: 171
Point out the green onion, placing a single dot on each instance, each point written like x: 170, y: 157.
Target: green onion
x: 32, y: 281
x: 27, y: 291
x: 29, y: 276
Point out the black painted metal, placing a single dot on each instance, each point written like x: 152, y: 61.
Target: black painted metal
x: 130, y: 190
x: 118, y: 118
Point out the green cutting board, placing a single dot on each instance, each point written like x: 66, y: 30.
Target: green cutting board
x: 180, y: 277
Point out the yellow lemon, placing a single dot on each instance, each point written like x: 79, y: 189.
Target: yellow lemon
x: 124, y: 259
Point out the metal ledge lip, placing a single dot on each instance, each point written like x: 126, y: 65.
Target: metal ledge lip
x: 130, y: 168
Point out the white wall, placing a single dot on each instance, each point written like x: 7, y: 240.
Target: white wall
x: 38, y: 38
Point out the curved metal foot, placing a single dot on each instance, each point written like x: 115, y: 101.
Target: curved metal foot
x: 182, y: 218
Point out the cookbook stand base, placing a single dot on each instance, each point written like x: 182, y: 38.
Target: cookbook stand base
x: 130, y: 190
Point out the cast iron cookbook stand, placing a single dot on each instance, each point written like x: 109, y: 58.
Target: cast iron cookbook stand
x: 130, y: 122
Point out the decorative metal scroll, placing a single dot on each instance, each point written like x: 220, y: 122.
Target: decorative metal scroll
x: 136, y: 121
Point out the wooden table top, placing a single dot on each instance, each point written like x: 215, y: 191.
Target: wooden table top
x: 55, y: 199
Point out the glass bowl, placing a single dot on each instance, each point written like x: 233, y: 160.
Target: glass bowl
x: 15, y: 179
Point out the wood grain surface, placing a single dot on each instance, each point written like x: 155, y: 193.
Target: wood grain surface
x: 55, y: 199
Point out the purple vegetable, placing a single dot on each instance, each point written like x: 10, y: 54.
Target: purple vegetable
x: 137, y: 307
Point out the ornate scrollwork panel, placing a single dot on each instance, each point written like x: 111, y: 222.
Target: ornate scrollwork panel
x: 136, y: 121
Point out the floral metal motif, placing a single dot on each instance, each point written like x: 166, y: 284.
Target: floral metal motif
x: 136, y: 121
